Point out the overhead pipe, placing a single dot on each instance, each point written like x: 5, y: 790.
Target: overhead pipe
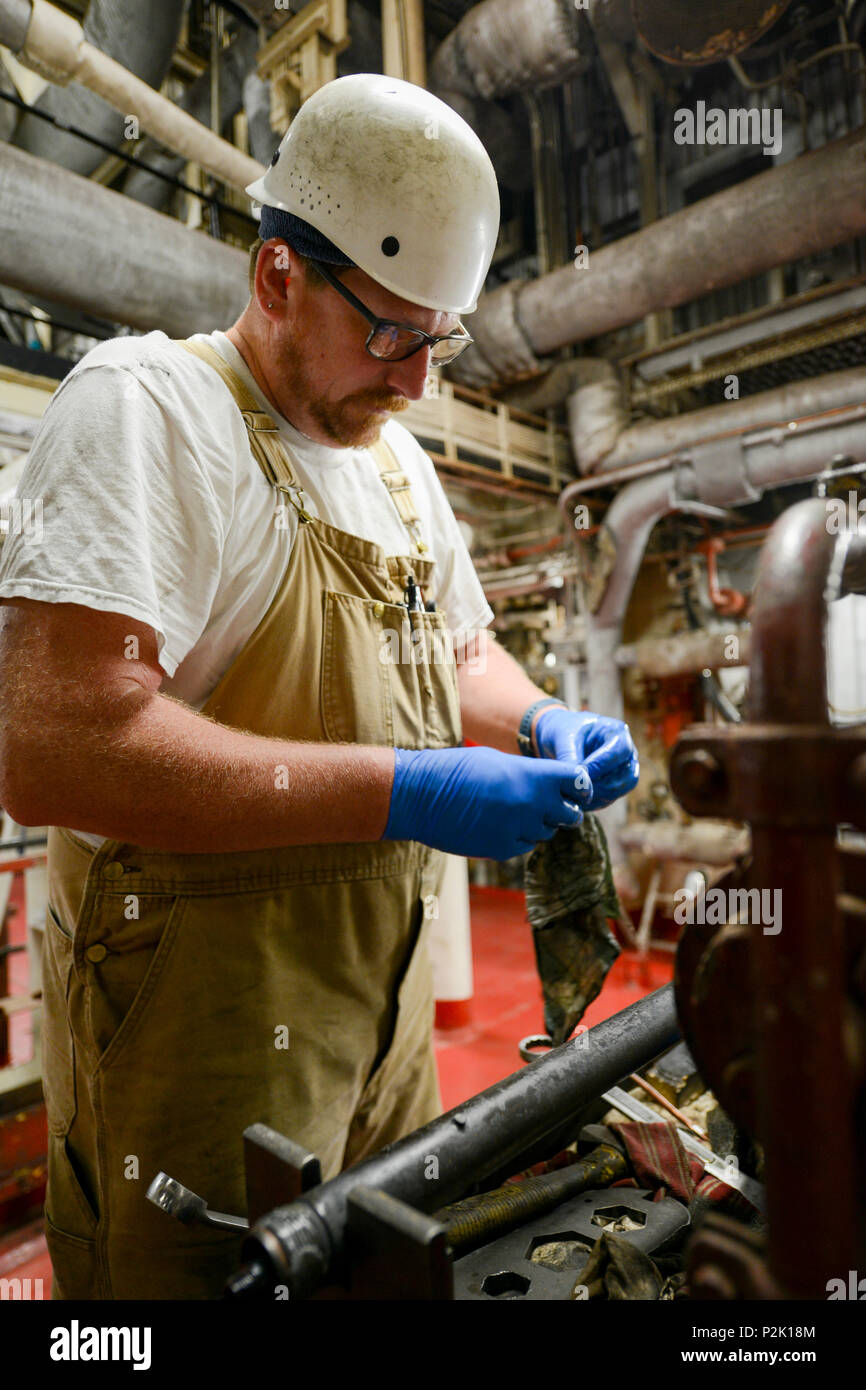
x: 54, y: 45
x: 717, y: 472
x: 684, y: 653
x: 797, y: 209
x: 143, y: 37
x: 703, y: 842
x: 235, y: 69
x: 505, y: 46
x: 498, y: 49
x: 652, y: 445
x: 160, y: 274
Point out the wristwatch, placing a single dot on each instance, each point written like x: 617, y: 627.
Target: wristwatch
x: 524, y: 739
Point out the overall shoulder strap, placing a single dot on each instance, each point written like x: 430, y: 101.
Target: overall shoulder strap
x: 267, y: 448
x: 400, y: 488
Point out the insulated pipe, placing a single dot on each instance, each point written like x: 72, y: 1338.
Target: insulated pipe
x: 738, y: 470
x: 498, y: 49
x: 684, y: 653
x: 152, y: 271
x: 660, y: 439
x: 141, y: 36
x: 655, y: 447
x: 704, y: 842
x: 56, y: 48
x: 505, y: 46
x: 808, y: 205
x: 719, y: 472
x: 235, y: 67
x: 303, y: 1245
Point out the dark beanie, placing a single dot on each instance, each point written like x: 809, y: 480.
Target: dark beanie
x: 303, y: 238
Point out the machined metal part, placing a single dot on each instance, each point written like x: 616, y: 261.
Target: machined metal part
x: 396, y: 1252
x: 277, y: 1170
x: 528, y: 1047
x: 771, y: 1010
x: 506, y: 1268
x: 513, y: 1124
x: 186, y: 1206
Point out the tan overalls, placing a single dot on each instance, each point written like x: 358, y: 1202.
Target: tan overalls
x: 187, y: 996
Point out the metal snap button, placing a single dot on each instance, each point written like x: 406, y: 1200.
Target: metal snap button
x: 378, y: 609
x: 114, y: 870
x: 96, y: 953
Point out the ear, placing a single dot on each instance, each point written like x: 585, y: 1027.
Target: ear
x: 277, y: 268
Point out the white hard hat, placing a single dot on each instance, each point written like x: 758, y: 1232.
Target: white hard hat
x: 398, y: 181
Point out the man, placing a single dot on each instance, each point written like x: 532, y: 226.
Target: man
x: 250, y: 798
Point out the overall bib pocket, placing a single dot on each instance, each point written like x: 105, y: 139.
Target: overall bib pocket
x: 356, y: 701
x: 388, y: 676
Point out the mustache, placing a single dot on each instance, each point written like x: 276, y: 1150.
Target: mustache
x: 379, y: 402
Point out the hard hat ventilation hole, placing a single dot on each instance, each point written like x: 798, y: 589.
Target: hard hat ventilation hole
x: 275, y: 158
x: 390, y: 246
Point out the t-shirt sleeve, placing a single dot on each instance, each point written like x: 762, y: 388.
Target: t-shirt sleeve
x: 121, y: 516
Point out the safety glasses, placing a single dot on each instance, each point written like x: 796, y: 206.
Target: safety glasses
x: 392, y: 341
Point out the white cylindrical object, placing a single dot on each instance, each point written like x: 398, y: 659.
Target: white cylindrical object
x: 451, y: 944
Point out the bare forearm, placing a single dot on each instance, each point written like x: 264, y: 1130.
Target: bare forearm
x: 494, y: 695
x: 155, y: 773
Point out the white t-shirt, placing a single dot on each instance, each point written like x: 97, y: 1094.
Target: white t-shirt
x: 152, y: 505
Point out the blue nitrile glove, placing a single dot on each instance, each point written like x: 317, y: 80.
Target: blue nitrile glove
x: 604, y: 747
x: 481, y: 803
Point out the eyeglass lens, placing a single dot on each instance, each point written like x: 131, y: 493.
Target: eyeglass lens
x: 393, y: 342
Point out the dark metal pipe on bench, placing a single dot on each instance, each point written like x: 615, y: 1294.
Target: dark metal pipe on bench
x: 302, y: 1245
